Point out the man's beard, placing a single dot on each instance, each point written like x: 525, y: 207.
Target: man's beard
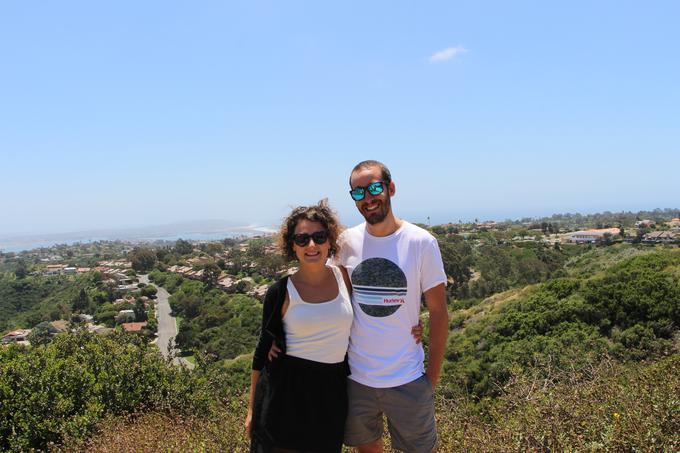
x: 378, y: 216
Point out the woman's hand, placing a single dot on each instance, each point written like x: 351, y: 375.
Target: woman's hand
x: 417, y: 332
x: 249, y: 422
x: 274, y: 352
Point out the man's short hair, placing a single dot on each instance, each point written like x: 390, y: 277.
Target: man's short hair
x: 385, y: 172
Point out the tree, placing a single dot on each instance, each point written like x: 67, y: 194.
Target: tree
x: 142, y: 259
x: 183, y: 247
x: 162, y: 254
x: 456, y: 258
x: 149, y: 291
x: 140, y: 311
x: 241, y: 286
x: 256, y: 248
x: 212, y: 248
x: 40, y: 334
x: 81, y: 302
x: 211, y: 274
x: 21, y: 270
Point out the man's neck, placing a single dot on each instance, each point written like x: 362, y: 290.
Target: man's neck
x: 388, y: 226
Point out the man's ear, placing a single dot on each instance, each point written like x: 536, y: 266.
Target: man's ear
x: 391, y: 189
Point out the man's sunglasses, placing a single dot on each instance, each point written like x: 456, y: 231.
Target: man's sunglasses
x: 374, y: 188
x: 302, y: 239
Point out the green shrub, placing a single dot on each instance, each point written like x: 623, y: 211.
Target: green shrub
x: 66, y: 387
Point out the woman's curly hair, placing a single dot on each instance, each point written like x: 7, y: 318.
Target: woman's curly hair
x: 319, y: 212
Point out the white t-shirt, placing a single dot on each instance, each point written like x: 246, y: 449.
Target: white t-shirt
x: 389, y: 275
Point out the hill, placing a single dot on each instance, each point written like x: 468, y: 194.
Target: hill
x: 630, y: 311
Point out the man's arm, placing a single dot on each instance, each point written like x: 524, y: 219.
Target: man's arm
x: 435, y: 298
x: 345, y: 277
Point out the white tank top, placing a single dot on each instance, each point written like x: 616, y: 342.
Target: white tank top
x: 318, y: 331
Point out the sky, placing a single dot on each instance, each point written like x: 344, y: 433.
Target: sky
x: 124, y: 114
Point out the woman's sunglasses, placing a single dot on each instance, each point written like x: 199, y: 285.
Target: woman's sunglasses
x: 374, y: 188
x: 302, y: 239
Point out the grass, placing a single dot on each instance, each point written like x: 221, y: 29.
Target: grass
x: 602, y: 258
x: 459, y: 318
x: 190, y: 358
x: 608, y: 407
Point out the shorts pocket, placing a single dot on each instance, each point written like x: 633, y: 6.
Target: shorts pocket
x: 427, y: 381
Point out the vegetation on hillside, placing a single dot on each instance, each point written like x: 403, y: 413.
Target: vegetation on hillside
x: 631, y: 311
x: 214, y: 323
x: 25, y: 302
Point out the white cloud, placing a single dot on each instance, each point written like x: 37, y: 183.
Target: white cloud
x: 447, y: 54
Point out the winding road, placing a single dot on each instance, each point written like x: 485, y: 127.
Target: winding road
x: 167, y: 326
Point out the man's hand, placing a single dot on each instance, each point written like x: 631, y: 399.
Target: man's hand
x: 417, y: 332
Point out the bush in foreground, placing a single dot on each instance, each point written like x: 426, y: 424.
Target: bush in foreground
x: 66, y: 387
x: 610, y: 407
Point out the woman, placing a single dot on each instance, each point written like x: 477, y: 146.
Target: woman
x: 299, y: 401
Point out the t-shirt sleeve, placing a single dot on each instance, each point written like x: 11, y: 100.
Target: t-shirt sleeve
x: 431, y: 267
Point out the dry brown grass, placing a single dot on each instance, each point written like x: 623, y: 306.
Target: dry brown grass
x: 609, y: 407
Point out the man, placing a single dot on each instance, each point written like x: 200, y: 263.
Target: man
x: 391, y: 263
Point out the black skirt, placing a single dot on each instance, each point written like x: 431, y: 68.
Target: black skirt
x: 301, y: 405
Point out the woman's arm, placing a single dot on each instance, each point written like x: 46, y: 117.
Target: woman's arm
x: 271, y: 300
x: 254, y: 376
x: 263, y: 344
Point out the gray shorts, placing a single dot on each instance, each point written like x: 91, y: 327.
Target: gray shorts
x: 409, y: 409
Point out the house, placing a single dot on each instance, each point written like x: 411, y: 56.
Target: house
x: 15, y: 336
x: 99, y: 329
x: 133, y: 326
x: 660, y: 237
x: 675, y: 224
x: 125, y: 316
x: 54, y: 269
x: 644, y: 223
x: 271, y: 249
x: 259, y: 291
x: 488, y: 225
x: 591, y: 236
x: 631, y: 239
x: 70, y: 270
x: 84, y: 318
x: 116, y: 264
x: 200, y: 260
x: 226, y: 282
x: 58, y: 326
x: 127, y: 288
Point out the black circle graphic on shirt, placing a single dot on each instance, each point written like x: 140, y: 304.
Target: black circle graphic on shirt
x: 379, y: 287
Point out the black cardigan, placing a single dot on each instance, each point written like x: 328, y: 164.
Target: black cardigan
x: 272, y: 323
